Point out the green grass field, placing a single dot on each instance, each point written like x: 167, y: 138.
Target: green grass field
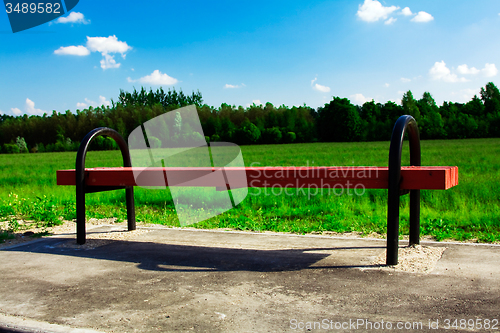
x: 471, y: 210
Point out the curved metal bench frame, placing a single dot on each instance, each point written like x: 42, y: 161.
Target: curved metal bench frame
x: 82, y: 187
x: 403, y: 124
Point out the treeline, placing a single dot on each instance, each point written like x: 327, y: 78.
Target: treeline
x: 338, y: 120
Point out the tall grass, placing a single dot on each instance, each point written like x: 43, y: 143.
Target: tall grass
x: 469, y: 211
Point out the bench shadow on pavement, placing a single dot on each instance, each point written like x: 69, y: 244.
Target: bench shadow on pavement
x: 192, y: 258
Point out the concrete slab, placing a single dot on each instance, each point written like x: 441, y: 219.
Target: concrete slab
x: 195, y: 280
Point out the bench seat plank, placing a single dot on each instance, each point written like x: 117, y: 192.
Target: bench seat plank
x: 413, y: 178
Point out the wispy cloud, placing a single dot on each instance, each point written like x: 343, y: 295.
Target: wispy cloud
x: 88, y: 102
x: 319, y: 87
x: 73, y: 17
x: 156, y: 78
x: 465, y: 95
x: 391, y: 20
x: 231, y: 86
x: 405, y: 80
x: 109, y: 62
x: 256, y: 102
x: 422, y: 17
x: 79, y: 50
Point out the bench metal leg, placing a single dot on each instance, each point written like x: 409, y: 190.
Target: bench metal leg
x: 82, y: 188
x: 403, y: 124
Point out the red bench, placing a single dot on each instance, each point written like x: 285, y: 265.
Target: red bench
x: 398, y: 180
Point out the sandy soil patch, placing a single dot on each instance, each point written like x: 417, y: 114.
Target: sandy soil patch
x: 414, y: 259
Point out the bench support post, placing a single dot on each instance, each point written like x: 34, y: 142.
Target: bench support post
x: 403, y: 124
x: 82, y: 188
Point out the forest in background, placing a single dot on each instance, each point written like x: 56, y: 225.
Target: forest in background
x: 337, y: 121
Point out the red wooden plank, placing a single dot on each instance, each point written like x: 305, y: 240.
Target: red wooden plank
x: 429, y: 177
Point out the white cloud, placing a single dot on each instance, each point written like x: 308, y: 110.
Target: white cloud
x: 73, y: 17
x: 29, y: 107
x: 109, y: 62
x: 439, y: 72
x: 104, y: 45
x: 88, y: 102
x: 391, y: 20
x: 156, y: 78
x: 319, y: 87
x: 465, y: 95
x: 387, y: 85
x: 397, y: 101
x: 103, y: 101
x: 405, y: 80
x: 372, y: 11
x: 231, y: 86
x: 489, y: 70
x: 359, y: 99
x: 464, y: 69
x: 256, y: 102
x: 1, y: 113
x: 406, y: 11
x: 107, y: 45
x: 79, y: 50
x: 422, y: 17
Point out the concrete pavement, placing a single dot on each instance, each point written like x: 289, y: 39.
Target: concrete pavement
x: 162, y: 280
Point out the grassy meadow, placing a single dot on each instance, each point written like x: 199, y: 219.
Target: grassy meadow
x: 470, y: 211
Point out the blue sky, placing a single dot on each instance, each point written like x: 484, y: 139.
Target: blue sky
x: 241, y: 52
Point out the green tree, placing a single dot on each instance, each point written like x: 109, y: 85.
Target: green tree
x: 491, y: 98
x: 370, y: 114
x: 289, y: 137
x: 410, y: 105
x: 21, y: 144
x: 431, y: 122
x: 339, y: 121
x: 271, y: 135
x: 248, y: 133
